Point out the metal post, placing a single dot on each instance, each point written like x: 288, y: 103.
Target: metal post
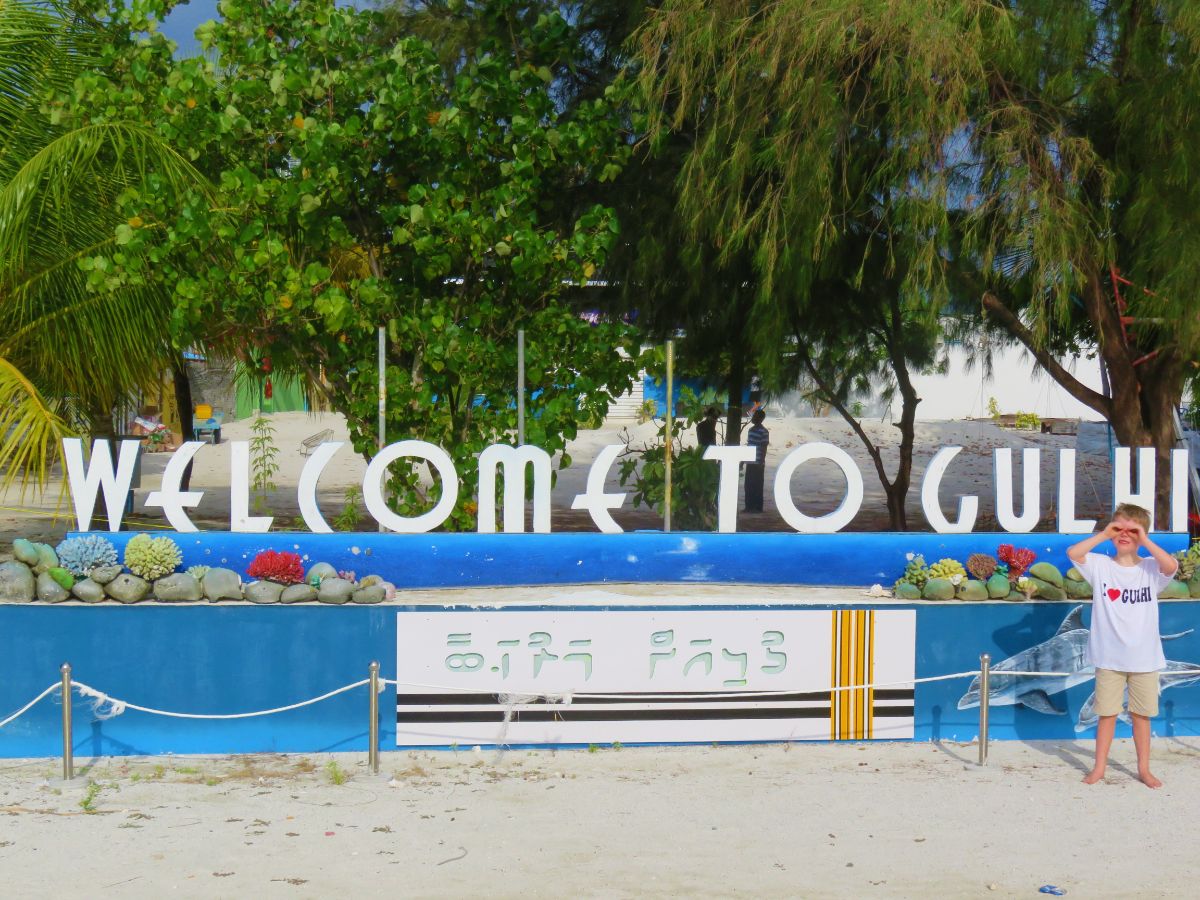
x: 68, y: 753
x: 520, y: 387
x: 668, y: 450
x: 382, y: 426
x: 373, y: 729
x: 382, y: 386
x: 985, y: 671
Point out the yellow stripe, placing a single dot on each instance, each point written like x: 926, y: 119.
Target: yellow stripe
x: 860, y: 659
x: 847, y: 650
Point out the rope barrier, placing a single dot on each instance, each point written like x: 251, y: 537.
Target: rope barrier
x: 117, y: 707
x: 30, y: 705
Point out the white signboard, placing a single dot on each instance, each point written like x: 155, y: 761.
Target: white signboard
x: 585, y: 676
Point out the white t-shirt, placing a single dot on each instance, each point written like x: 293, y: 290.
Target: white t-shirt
x: 1124, y: 635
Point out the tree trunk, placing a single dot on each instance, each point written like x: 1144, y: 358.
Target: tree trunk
x: 183, y: 404
x: 736, y: 382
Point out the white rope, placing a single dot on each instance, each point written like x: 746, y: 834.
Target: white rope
x: 119, y: 706
x: 31, y: 704
x: 1162, y: 672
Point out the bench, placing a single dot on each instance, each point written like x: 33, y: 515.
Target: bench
x: 309, y: 444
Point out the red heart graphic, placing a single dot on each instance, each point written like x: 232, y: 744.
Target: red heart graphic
x: 1113, y: 593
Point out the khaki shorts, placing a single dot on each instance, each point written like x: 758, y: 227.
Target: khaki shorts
x: 1110, y: 692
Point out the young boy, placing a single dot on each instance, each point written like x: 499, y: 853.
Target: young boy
x: 1124, y: 644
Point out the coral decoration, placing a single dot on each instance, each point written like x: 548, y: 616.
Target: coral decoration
x: 79, y: 555
x: 152, y: 558
x: 279, y: 566
x: 981, y: 565
x: 1018, y: 559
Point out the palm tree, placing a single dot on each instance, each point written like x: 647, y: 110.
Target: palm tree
x: 75, y: 339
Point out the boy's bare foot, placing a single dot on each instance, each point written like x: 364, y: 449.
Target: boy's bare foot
x: 1148, y: 779
x: 1093, y: 776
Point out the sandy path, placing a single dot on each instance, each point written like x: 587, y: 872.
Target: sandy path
x: 813, y: 820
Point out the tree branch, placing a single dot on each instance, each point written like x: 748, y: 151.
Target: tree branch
x: 1072, y: 385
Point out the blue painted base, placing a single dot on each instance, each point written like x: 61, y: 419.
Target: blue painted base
x: 474, y: 560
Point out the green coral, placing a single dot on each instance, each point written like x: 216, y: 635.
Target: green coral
x: 152, y: 558
x: 64, y: 578
x: 947, y: 568
x: 1189, y: 561
x: 198, y: 572
x: 916, y: 573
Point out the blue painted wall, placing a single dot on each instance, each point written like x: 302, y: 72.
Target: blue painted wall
x: 476, y: 560
x: 235, y: 658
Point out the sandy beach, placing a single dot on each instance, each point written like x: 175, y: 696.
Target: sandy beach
x: 817, y: 486
x: 811, y: 820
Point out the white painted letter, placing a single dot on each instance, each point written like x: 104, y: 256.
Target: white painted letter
x: 968, y: 507
x: 595, y: 501
x: 373, y: 487
x: 1031, y: 490
x: 239, y: 492
x: 831, y: 522
x: 169, y: 496
x: 727, y: 488
x: 1180, y: 476
x: 514, y: 460
x: 1123, y: 490
x: 1067, y: 523
x: 306, y: 491
x: 99, y: 475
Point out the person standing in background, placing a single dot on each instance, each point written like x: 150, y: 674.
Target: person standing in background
x: 706, y: 428
x: 758, y: 438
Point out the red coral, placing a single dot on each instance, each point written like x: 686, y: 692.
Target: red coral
x: 1018, y: 559
x: 283, y: 567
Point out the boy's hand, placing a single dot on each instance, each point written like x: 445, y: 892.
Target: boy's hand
x: 1111, y: 531
x: 1139, y: 534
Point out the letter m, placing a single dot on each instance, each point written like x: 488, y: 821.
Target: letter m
x: 514, y: 460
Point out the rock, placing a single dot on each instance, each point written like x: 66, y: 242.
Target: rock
x: 939, y: 589
x: 335, y: 590
x: 1073, y: 574
x: 50, y: 590
x: 1077, y: 589
x: 222, y: 584
x: 972, y: 589
x: 371, y: 594
x: 178, y: 588
x: 1044, y: 571
x: 25, y: 551
x: 370, y: 581
x: 64, y: 578
x: 104, y: 574
x: 16, y: 583
x: 1194, y: 586
x: 319, y: 572
x: 1046, y: 590
x: 1176, y: 590
x: 263, y: 591
x: 998, y: 587
x: 298, y: 593
x: 127, y: 588
x: 47, y: 558
x: 1015, y: 596
x: 906, y: 590
x: 88, y: 591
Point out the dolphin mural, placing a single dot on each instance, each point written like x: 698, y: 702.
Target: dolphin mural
x: 1065, y: 651
x: 1176, y: 674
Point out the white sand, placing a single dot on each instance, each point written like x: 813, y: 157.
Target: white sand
x: 817, y: 486
x: 812, y: 820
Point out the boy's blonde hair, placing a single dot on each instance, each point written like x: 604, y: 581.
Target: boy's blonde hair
x: 1134, y: 513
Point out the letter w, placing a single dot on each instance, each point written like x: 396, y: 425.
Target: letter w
x: 99, y: 474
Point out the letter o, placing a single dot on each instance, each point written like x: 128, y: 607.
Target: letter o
x: 830, y: 522
x: 373, y: 487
